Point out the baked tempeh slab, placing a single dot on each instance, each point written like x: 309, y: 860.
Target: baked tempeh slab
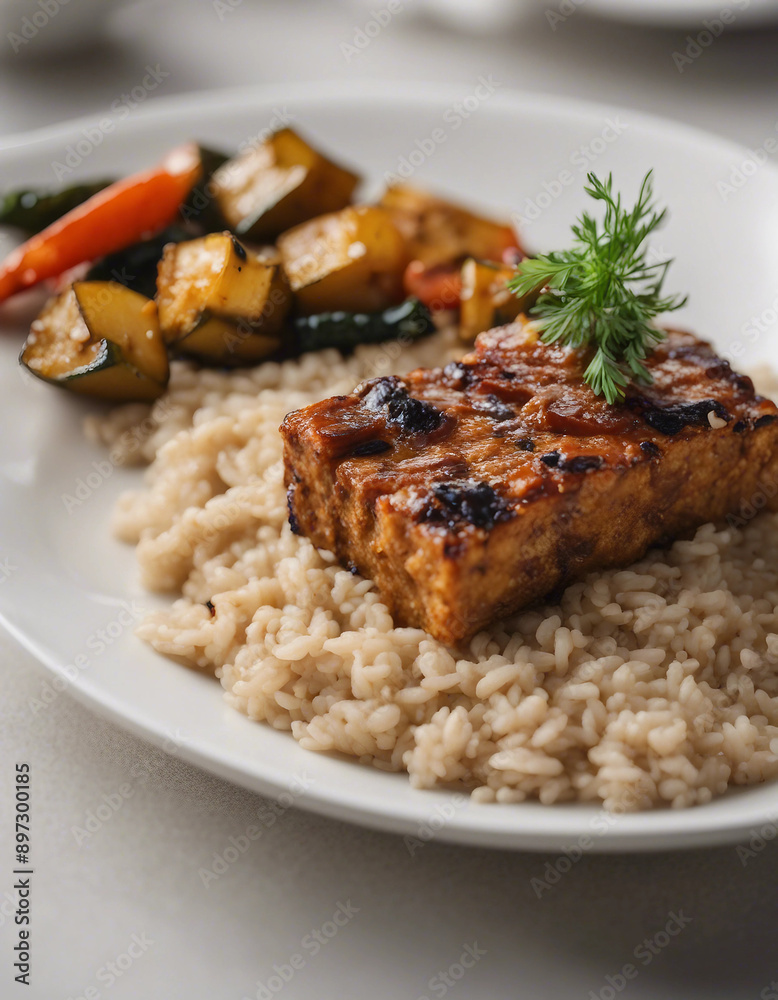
x: 470, y: 491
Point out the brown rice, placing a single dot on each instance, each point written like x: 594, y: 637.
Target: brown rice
x: 655, y: 684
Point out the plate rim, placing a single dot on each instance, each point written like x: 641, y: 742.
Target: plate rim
x: 420, y: 91
x: 545, y: 835
x: 541, y: 839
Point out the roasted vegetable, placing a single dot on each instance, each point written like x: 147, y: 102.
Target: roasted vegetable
x: 351, y: 260
x: 440, y: 232
x: 32, y: 209
x: 276, y: 185
x: 486, y: 299
x: 438, y: 287
x: 221, y: 302
x: 100, y: 339
x: 201, y: 208
x: 136, y: 266
x: 345, y: 331
x: 114, y: 218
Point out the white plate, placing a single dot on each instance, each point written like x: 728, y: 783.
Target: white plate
x: 71, y: 580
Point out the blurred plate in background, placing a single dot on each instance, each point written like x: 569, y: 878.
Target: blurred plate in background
x: 53, y: 25
x: 689, y: 14
x: 485, y: 16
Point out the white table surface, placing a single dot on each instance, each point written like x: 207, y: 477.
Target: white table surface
x: 138, y: 873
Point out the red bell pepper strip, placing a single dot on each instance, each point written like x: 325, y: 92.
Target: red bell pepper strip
x: 115, y: 217
x: 437, y: 287
x: 440, y: 287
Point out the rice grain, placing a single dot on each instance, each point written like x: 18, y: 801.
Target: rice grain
x: 652, y: 685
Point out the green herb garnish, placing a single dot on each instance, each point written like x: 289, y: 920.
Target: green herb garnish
x: 604, y: 293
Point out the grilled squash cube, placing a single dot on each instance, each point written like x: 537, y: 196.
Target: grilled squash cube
x: 485, y: 299
x: 100, y: 339
x: 439, y: 232
x: 351, y: 260
x: 282, y: 182
x: 221, y: 302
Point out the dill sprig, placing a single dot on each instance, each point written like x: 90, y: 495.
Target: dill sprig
x: 603, y: 293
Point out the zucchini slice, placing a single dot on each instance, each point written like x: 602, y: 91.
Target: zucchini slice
x: 32, y: 209
x: 279, y: 184
x: 352, y: 260
x: 201, y: 209
x: 485, y: 299
x: 440, y: 232
x: 136, y: 265
x: 221, y: 302
x: 345, y: 331
x: 101, y: 339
